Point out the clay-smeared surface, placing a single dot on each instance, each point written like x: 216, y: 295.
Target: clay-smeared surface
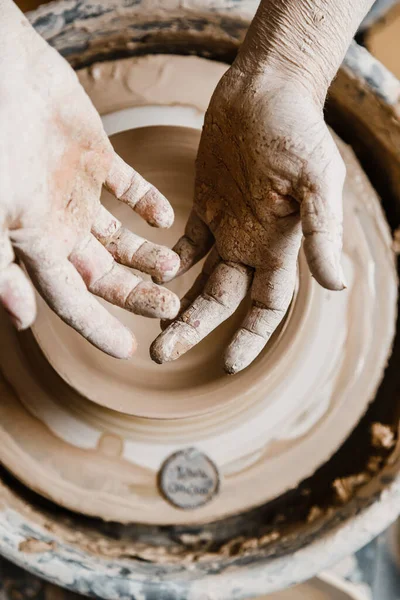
x: 267, y: 428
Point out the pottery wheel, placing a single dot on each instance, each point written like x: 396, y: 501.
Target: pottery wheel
x: 91, y: 432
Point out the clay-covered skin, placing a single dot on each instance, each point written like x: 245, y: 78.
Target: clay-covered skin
x: 256, y: 179
x: 54, y: 159
x: 267, y: 173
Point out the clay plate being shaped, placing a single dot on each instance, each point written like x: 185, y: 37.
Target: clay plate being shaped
x: 91, y: 432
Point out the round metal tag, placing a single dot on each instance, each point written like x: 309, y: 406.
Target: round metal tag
x: 188, y: 479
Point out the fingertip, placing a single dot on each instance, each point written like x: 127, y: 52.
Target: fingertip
x: 171, y: 343
x: 155, y: 209
x: 26, y: 316
x: 170, y: 266
x: 125, y: 346
x: 133, y: 350
x: 184, y: 304
x: 133, y: 346
x: 329, y: 276
x: 23, y: 322
x: 170, y: 304
x: 340, y: 280
x: 150, y: 300
x: 118, y: 343
x: 158, y: 352
x: 337, y: 285
x: 18, y: 297
x: 128, y: 186
x: 324, y: 263
x: 167, y: 265
x: 242, y: 351
x: 232, y: 363
x: 231, y: 368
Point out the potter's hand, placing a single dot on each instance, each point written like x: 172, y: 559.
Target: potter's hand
x: 54, y: 159
x: 267, y: 170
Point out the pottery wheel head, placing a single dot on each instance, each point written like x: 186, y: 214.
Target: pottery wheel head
x: 258, y: 433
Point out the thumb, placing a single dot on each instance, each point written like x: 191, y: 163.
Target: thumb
x: 321, y: 212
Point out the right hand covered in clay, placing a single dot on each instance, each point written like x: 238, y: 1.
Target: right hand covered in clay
x: 54, y: 158
x: 268, y: 172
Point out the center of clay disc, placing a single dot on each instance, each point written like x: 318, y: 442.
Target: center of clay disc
x: 194, y: 384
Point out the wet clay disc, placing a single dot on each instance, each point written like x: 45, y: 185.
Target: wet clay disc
x: 92, y: 433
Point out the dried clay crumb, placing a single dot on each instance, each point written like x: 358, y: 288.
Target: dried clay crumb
x: 240, y: 545
x: 374, y: 463
x: 255, y: 543
x: 315, y: 513
x: 382, y: 436
x: 191, y: 539
x: 345, y: 486
x: 161, y: 555
x: 32, y: 546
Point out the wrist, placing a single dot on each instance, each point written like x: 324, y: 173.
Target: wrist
x: 304, y: 41
x: 273, y: 76
x: 283, y: 63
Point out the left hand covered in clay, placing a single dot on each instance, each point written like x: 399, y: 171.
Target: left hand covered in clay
x: 54, y: 159
x: 267, y: 171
